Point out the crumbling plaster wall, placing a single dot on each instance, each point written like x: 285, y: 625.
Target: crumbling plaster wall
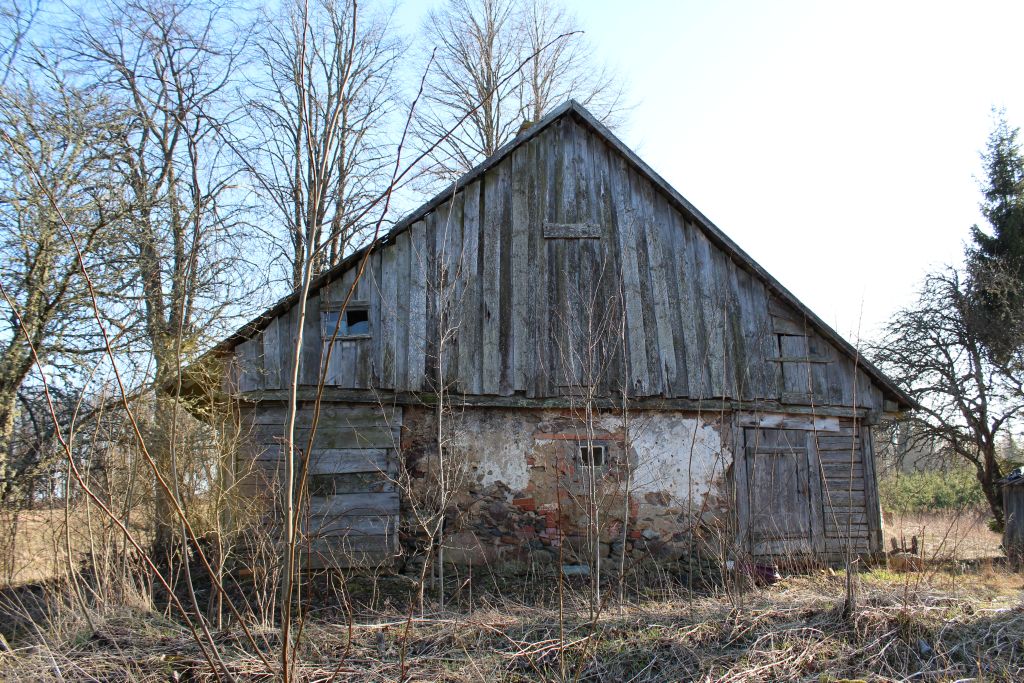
x: 522, y: 493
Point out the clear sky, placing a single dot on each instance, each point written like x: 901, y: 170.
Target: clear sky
x: 836, y: 142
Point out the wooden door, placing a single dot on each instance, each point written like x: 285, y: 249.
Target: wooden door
x: 779, y: 493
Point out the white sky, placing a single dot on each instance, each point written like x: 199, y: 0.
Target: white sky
x: 837, y: 143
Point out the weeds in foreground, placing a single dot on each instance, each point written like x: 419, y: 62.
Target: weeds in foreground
x: 941, y: 627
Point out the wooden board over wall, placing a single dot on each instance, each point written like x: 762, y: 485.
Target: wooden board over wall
x: 352, y: 515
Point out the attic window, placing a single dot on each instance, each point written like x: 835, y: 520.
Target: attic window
x: 355, y: 322
x: 592, y: 455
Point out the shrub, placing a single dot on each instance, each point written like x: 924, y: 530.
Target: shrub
x: 930, y: 491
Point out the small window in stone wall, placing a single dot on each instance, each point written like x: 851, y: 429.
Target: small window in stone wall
x: 592, y: 455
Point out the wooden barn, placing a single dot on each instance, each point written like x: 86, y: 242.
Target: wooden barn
x: 564, y: 360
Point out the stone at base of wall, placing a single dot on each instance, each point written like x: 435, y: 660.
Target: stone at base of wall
x: 695, y: 564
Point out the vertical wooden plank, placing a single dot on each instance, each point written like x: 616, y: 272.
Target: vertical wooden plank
x: 388, y: 315
x: 745, y: 360
x: 490, y: 276
x: 815, y: 500
x: 433, y: 270
x: 627, y: 233
x: 272, y: 355
x: 470, y: 325
x: 818, y: 349
x: 366, y: 290
x: 554, y: 254
x: 312, y: 346
x: 521, y: 279
x: 538, y: 372
x: 249, y: 369
x: 766, y: 342
x: 741, y: 468
x: 655, y: 371
x: 609, y: 266
x: 712, y: 313
x: 667, y: 227
x: 666, y: 350
x: 872, y: 503
x: 374, y: 352
x: 402, y: 304
x: 506, y: 332
x: 796, y: 376
x: 417, y: 292
x: 287, y: 331
x: 725, y: 304
x: 687, y: 303
x: 449, y: 232
x: 340, y: 365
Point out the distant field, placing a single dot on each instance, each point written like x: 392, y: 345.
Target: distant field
x: 38, y: 549
x: 933, y: 626
x: 946, y: 535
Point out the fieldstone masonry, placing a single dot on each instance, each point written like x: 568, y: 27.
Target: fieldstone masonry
x: 523, y: 494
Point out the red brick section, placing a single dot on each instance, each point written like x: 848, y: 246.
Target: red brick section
x: 525, y: 504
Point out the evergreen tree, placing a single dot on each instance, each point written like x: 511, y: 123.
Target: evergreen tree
x: 996, y: 258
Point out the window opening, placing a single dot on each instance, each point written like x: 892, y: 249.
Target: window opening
x: 592, y: 455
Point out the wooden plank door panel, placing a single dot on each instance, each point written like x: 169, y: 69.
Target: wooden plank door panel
x: 782, y: 503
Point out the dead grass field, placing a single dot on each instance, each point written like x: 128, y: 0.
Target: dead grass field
x: 933, y: 626
x: 946, y: 536
x: 952, y: 621
x: 37, y: 551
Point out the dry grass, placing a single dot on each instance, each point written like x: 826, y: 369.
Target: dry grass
x: 946, y: 536
x: 932, y: 626
x: 35, y: 542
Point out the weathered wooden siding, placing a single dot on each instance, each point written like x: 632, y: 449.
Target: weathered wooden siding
x: 531, y: 269
x: 352, y: 516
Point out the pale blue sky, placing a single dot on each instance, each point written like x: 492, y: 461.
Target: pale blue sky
x: 837, y: 143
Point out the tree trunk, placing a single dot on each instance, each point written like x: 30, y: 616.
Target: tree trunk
x: 988, y: 474
x: 8, y: 400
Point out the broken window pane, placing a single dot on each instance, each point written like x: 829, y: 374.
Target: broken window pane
x: 592, y: 455
x: 357, y: 321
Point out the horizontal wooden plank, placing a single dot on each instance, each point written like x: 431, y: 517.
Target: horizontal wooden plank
x: 844, y: 484
x: 834, y: 470
x: 331, y: 436
x: 337, y: 483
x: 346, y: 415
x: 340, y: 525
x: 844, y: 518
x: 853, y: 531
x: 839, y: 458
x: 774, y: 450
x: 829, y: 443
x: 340, y: 460
x: 341, y: 552
x: 572, y: 230
x: 366, y: 504
x: 783, y: 421
x: 845, y: 498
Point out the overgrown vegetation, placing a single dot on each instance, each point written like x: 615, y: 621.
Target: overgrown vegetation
x: 930, y: 491
x: 940, y: 627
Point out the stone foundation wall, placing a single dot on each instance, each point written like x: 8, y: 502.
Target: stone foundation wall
x: 523, y: 495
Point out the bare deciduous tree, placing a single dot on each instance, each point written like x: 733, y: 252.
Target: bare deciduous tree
x: 478, y: 46
x: 58, y: 146
x: 969, y: 402
x: 319, y: 117
x: 166, y: 70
